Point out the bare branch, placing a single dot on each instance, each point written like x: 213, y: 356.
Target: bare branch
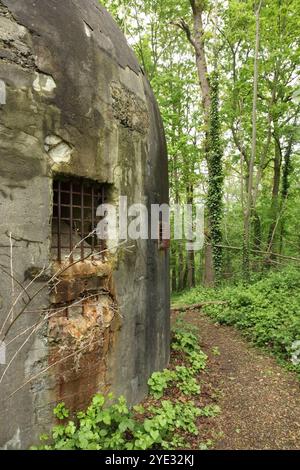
x: 49, y: 316
x: 15, y: 303
x: 197, y: 306
x: 11, y: 269
x: 276, y: 255
x: 46, y: 285
x: 16, y: 281
x: 35, y: 327
x: 51, y: 366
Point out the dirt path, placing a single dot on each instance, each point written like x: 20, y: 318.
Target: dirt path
x: 260, y: 401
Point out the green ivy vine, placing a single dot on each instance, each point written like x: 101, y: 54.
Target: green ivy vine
x: 216, y: 178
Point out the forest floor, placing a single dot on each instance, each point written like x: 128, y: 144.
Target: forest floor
x: 259, y: 399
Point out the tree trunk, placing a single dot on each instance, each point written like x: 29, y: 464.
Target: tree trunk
x: 174, y: 269
x: 248, y: 209
x: 190, y: 254
x: 275, y: 209
x: 209, y: 278
x: 201, y: 64
x: 197, y: 40
x: 257, y: 239
x: 286, y: 171
x: 181, y: 269
x: 208, y: 273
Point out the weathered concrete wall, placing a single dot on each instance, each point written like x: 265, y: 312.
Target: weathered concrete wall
x: 77, y: 103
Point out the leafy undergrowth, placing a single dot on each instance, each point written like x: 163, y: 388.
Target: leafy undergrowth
x: 176, y: 415
x: 267, y: 312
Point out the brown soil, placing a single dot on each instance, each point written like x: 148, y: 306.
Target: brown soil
x: 260, y: 400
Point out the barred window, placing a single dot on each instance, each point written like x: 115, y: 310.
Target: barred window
x: 74, y: 222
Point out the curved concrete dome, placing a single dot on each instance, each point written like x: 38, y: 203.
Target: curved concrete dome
x: 74, y: 103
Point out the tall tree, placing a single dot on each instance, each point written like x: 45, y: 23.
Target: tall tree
x: 257, y: 128
x: 249, y: 206
x: 212, y: 149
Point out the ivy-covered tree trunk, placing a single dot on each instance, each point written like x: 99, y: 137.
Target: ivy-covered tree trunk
x: 212, y: 147
x: 285, y: 187
x: 216, y: 179
x: 275, y: 206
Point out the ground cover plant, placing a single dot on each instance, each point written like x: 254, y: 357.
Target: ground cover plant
x: 267, y: 311
x: 168, y: 419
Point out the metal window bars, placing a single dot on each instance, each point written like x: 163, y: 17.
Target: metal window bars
x: 74, y: 221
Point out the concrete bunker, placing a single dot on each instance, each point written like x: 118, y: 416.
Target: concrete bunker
x: 79, y: 125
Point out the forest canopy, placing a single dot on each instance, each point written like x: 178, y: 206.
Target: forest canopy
x: 225, y: 75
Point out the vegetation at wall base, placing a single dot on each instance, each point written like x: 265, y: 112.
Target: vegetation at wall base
x: 172, y: 417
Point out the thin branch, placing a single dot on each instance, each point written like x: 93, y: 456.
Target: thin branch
x: 237, y: 248
x: 11, y: 269
x: 16, y: 281
x: 35, y: 328
x: 185, y: 27
x: 53, y: 279
x: 198, y: 306
x: 51, y: 366
x: 16, y: 354
x: 39, y: 324
x: 15, y: 303
x: 49, y: 316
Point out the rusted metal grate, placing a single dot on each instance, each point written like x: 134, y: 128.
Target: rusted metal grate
x: 74, y: 222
